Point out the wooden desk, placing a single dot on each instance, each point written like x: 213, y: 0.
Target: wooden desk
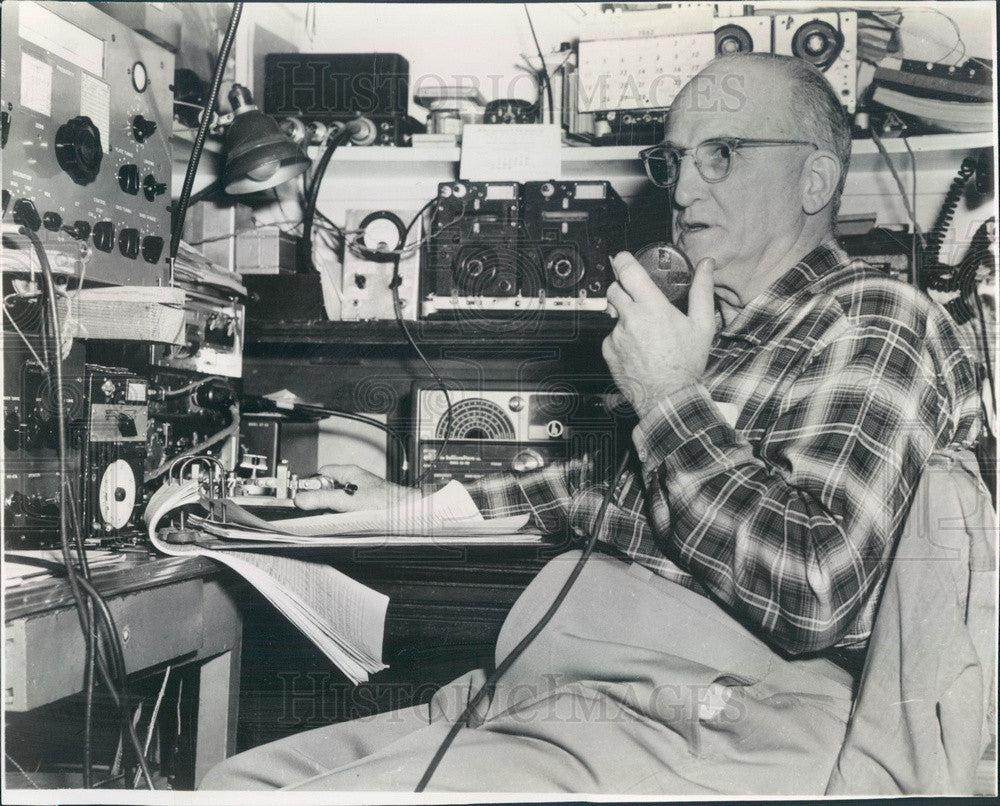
x: 167, y: 610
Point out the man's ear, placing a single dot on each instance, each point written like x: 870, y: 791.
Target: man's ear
x: 820, y: 176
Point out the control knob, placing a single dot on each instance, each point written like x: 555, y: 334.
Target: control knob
x: 128, y: 242
x: 151, y: 188
x: 79, y: 230
x: 142, y: 129
x: 104, y: 236
x: 128, y: 178
x: 78, y: 149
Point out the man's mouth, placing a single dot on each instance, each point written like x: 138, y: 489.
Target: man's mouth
x: 691, y: 227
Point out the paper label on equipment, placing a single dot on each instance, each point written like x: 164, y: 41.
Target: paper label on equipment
x: 36, y: 84
x: 61, y: 38
x: 95, y: 103
x: 517, y: 152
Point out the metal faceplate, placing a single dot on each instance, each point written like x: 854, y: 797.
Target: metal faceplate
x: 63, y: 62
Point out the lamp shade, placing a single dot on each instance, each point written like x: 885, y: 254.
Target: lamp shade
x: 258, y: 154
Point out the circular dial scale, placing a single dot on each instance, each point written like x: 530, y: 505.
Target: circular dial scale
x: 116, y: 494
x: 476, y: 419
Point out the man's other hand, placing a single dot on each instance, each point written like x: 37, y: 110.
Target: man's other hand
x: 372, y: 492
x: 655, y: 349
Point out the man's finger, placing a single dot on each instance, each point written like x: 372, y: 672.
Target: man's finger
x: 323, y: 499
x: 701, y: 295
x: 344, y: 473
x: 633, y: 278
x: 618, y: 299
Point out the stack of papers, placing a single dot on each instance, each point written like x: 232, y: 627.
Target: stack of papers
x: 344, y: 618
x: 448, y: 516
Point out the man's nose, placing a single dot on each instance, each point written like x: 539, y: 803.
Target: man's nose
x: 690, y: 186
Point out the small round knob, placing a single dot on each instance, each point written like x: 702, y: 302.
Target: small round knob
x: 151, y: 188
x: 78, y: 149
x: 142, y: 129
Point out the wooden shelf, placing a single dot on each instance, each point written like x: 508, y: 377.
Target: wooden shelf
x: 861, y: 147
x: 537, y: 331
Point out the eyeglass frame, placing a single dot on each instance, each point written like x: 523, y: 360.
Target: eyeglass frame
x: 734, y: 143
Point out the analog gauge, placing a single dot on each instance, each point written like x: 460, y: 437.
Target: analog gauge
x: 140, y: 78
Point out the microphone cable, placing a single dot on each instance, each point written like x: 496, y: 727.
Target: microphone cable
x: 518, y: 650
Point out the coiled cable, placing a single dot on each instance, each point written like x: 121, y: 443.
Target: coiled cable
x: 935, y: 238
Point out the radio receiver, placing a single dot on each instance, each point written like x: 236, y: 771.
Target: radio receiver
x: 829, y: 42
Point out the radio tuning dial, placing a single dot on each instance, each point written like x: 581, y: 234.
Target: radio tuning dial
x: 78, y: 149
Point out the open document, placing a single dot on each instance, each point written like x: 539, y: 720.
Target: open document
x: 342, y: 617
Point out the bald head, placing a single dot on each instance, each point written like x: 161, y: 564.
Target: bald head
x: 789, y: 96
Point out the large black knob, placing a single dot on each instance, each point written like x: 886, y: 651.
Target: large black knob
x: 142, y: 128
x: 128, y: 178
x: 104, y: 236
x: 78, y: 149
x: 152, y: 248
x: 128, y: 242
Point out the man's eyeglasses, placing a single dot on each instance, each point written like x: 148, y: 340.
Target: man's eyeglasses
x: 713, y: 158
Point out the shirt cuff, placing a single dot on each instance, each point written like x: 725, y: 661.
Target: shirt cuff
x: 672, y: 422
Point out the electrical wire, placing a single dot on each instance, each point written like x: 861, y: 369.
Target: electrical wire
x: 985, y: 337
x: 10, y: 318
x: 183, y: 390
x: 202, y: 134
x: 915, y: 242
x: 952, y: 197
x: 152, y: 720
x: 899, y: 183
x: 305, y: 245
x: 118, y: 661
x: 80, y: 585
x: 491, y: 681
x: 543, y: 69
x: 228, y: 431
x: 308, y: 408
x: 397, y: 309
x: 277, y: 224
x: 20, y: 769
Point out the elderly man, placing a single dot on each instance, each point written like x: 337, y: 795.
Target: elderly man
x: 784, y: 421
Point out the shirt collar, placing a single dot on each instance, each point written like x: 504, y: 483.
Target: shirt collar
x: 764, y: 313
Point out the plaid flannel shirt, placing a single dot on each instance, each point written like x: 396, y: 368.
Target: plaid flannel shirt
x: 839, y: 383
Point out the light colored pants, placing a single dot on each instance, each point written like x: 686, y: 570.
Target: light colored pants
x: 636, y: 686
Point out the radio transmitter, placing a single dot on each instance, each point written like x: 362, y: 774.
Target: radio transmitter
x: 87, y: 116
x: 507, y: 246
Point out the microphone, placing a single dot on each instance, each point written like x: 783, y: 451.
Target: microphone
x: 669, y: 268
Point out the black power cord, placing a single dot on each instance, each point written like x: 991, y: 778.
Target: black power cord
x: 80, y: 586
x: 517, y: 651
x: 334, y: 141
x: 935, y: 238
x: 266, y: 404
x: 180, y: 212
x: 543, y: 70
x: 397, y: 309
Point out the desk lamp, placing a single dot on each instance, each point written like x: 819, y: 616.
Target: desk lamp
x: 258, y: 154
